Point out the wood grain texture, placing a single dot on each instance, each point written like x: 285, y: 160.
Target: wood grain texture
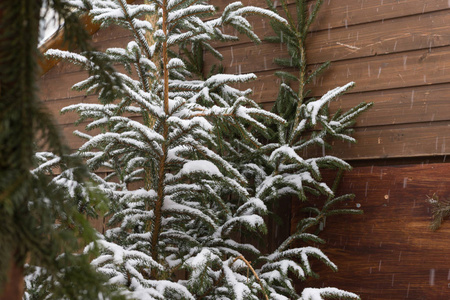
x: 424, y: 31
x: 399, y: 106
x: 56, y: 106
x: 345, y: 14
x: 402, y: 106
x: 342, y: 13
x: 394, y: 142
x: 399, y: 70
x: 415, y: 68
x: 388, y: 252
x: 60, y: 87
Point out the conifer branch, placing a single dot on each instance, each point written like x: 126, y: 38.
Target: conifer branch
x: 440, y: 209
x: 249, y: 266
x: 136, y: 33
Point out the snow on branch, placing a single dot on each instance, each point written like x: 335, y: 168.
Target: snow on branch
x: 313, y: 107
x: 325, y: 293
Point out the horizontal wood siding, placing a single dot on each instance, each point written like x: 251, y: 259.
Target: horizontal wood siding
x: 397, y: 52
x: 388, y: 252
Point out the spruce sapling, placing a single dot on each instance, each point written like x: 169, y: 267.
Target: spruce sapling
x: 175, y: 203
x: 285, y: 169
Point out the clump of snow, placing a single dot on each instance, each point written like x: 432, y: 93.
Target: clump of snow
x: 200, y: 166
x: 324, y: 293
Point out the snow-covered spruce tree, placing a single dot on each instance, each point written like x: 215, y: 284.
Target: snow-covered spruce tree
x: 174, y: 202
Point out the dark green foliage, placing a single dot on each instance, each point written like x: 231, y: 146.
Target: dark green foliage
x: 75, y: 277
x: 29, y: 205
x: 17, y: 87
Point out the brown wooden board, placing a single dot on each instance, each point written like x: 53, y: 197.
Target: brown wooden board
x: 424, y: 31
x: 55, y: 107
x: 399, y: 106
x: 109, y: 33
x: 415, y: 68
x: 60, y: 87
x: 62, y: 68
x: 414, y: 32
x: 404, y: 26
x: 399, y: 141
x: 74, y: 142
x: 375, y: 143
x: 389, y: 252
x: 342, y: 13
x: 402, y: 106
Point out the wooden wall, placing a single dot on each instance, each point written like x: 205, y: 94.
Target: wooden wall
x: 388, y: 252
x: 398, y: 53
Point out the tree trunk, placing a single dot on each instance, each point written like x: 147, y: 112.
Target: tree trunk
x: 14, y: 286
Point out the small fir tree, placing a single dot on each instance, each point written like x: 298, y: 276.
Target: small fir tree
x: 187, y: 165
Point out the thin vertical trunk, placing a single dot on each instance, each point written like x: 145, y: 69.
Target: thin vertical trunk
x: 149, y: 121
x: 162, y: 165
x: 302, y: 81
